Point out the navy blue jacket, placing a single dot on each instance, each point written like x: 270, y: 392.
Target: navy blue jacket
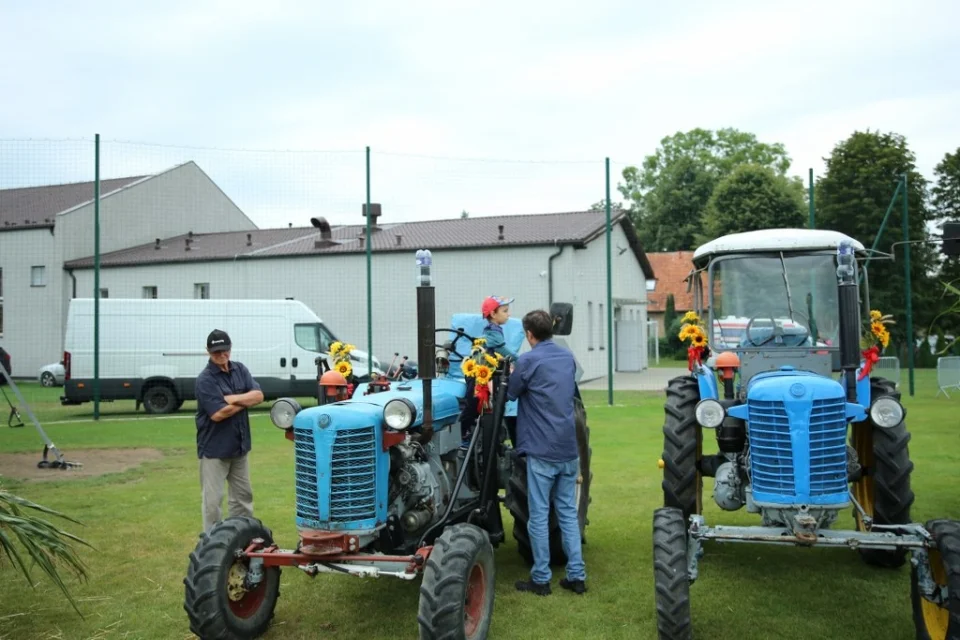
x: 543, y: 383
x: 228, y: 438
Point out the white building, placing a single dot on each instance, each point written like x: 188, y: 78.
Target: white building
x: 42, y: 228
x: 175, y: 235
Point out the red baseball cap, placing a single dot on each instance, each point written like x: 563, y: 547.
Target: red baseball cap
x: 492, y: 303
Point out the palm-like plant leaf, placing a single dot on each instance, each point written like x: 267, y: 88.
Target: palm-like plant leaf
x: 43, y: 542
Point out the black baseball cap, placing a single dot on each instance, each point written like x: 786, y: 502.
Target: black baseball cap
x: 218, y: 341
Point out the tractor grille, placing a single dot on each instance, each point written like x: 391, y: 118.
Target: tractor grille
x: 771, y: 453
x: 305, y: 459
x: 353, y: 475
x: 828, y: 447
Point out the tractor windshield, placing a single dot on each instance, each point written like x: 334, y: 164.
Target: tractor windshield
x: 778, y: 300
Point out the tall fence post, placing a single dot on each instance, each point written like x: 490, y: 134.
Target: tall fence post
x: 911, y: 343
x: 610, y: 338
x: 812, y: 209
x: 96, y: 276
x: 369, y: 242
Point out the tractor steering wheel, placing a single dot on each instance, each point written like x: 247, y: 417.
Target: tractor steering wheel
x: 776, y: 333
x: 460, y: 334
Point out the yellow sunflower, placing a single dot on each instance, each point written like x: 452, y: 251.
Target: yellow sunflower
x: 483, y: 374
x: 875, y: 315
x: 344, y: 369
x: 699, y: 339
x: 690, y: 316
x: 491, y: 360
x: 335, y: 348
x: 469, y: 368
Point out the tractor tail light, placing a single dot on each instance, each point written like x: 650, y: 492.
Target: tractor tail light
x: 66, y: 365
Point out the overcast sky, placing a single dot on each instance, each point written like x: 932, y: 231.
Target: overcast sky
x: 551, y: 87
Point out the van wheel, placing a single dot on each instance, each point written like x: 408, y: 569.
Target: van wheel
x: 159, y: 398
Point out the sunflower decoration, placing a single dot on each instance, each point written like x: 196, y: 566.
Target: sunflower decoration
x: 693, y: 331
x: 481, y: 366
x: 340, y: 353
x: 875, y: 340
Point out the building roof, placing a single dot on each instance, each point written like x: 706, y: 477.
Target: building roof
x: 576, y: 228
x: 37, y: 207
x: 671, y: 268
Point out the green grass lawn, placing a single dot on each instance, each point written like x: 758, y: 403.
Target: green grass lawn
x: 144, y: 523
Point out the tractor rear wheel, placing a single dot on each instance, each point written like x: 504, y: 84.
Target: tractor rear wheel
x: 456, y: 594
x: 934, y: 621
x: 517, y: 499
x: 883, y: 489
x: 671, y: 575
x: 682, y: 448
x: 219, y: 601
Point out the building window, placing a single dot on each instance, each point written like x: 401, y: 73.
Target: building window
x: 38, y: 276
x: 201, y: 290
x: 589, y: 326
x: 104, y: 293
x: 602, y: 320
x: 149, y: 292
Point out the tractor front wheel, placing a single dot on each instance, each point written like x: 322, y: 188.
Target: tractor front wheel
x: 883, y: 489
x: 671, y: 576
x: 220, y: 600
x: 682, y: 447
x: 941, y: 621
x: 456, y: 595
x: 517, y: 499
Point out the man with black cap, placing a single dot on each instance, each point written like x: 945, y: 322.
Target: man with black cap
x: 225, y: 390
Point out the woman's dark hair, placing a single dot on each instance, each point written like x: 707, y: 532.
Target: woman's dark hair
x: 539, y: 323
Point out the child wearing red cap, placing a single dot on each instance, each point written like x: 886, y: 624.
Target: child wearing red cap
x: 496, y: 311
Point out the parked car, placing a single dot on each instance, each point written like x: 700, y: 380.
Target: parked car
x: 52, y: 375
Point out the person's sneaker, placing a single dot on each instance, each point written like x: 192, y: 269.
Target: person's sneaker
x: 577, y: 586
x: 534, y: 587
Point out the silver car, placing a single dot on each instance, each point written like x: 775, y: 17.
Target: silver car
x: 52, y: 375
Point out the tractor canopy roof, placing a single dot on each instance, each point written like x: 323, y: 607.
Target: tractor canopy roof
x: 768, y: 240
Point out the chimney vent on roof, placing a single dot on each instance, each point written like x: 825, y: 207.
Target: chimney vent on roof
x: 361, y: 241
x: 399, y: 238
x: 500, y: 229
x: 156, y: 245
x: 289, y: 225
x: 249, y: 239
x: 321, y: 223
x: 190, y: 233
x: 375, y: 212
x: 187, y: 242
x: 25, y: 221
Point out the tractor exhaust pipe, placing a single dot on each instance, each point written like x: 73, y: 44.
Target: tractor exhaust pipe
x: 849, y: 308
x: 426, y: 335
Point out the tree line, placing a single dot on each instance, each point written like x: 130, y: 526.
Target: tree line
x: 701, y: 184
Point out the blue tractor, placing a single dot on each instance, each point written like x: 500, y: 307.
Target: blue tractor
x: 387, y: 486
x: 802, y: 430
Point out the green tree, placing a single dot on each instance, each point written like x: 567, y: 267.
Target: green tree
x: 669, y: 311
x: 21, y: 529
x: 602, y: 206
x: 753, y: 197
x: 946, y: 191
x: 861, y: 176
x: 668, y: 194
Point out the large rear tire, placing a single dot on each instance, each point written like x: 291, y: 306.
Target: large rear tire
x: 935, y: 622
x: 518, y: 497
x: 883, y: 489
x: 682, y: 448
x: 671, y: 575
x: 218, y: 601
x: 456, y: 594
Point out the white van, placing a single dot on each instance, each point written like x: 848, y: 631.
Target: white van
x: 152, y: 350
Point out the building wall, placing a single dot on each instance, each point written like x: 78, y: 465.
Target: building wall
x: 31, y: 320
x: 334, y: 286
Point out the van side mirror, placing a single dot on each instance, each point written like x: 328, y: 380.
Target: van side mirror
x: 562, y: 314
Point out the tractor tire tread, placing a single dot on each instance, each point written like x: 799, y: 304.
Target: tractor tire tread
x: 946, y: 535
x: 679, y: 455
x: 671, y: 577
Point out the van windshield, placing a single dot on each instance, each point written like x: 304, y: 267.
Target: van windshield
x: 313, y: 337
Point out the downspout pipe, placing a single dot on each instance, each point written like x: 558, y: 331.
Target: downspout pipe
x: 550, y: 273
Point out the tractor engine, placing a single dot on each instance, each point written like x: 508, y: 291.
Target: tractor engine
x: 795, y: 462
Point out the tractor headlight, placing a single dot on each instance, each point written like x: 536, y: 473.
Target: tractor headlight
x: 886, y: 412
x: 710, y: 413
x: 399, y: 413
x: 283, y: 412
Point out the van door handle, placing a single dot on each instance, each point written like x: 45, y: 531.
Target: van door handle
x: 283, y: 362
x: 294, y: 362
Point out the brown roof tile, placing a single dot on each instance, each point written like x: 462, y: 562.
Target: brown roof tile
x: 460, y: 233
x: 32, y: 207
x: 671, y: 269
